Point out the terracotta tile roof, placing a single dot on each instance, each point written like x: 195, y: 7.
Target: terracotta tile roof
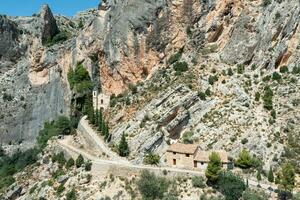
x: 183, y: 148
x: 203, y: 156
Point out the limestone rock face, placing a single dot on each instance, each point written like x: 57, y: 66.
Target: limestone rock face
x: 50, y: 28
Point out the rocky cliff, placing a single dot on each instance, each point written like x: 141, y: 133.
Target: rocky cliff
x: 231, y: 49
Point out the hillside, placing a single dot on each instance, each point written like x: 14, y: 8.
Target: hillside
x: 223, y: 74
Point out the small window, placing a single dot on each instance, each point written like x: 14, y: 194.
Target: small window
x: 174, y: 161
x: 174, y: 153
x: 187, y: 155
x: 101, y: 101
x: 202, y: 163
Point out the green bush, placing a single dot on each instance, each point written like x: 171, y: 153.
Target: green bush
x: 201, y: 95
x: 266, y: 2
x: 244, y: 141
x: 151, y: 186
x: 244, y: 160
x: 59, y: 158
x: 71, y: 195
x: 70, y: 163
x: 60, y: 37
x: 180, y: 66
x: 60, y: 126
x: 240, y: 69
x: 60, y: 189
x: 229, y: 72
x: 88, y: 166
x: 187, y: 137
x: 231, y: 185
x: 296, y: 70
x: 198, y: 181
x: 276, y: 76
x: 174, y: 58
x: 79, y: 161
x: 151, y: 159
x: 212, y: 79
x: 284, y: 69
x: 257, y: 96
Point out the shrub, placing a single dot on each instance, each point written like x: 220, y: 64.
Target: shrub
x: 180, y: 66
x: 7, y: 97
x: 240, y: 69
x: 174, y: 58
x: 207, y: 92
x: 201, y: 95
x: 244, y: 160
x: 88, y: 166
x: 229, y: 72
x: 132, y: 88
x: 250, y: 194
x: 273, y: 114
x: 71, y: 195
x: 151, y: 186
x: 231, y: 185
x: 198, y: 181
x: 151, y: 159
x: 60, y: 158
x: 213, y: 168
x: 284, y: 69
x: 70, y: 163
x: 244, y: 141
x: 60, y: 37
x: 187, y: 137
x: 79, y: 161
x: 266, y: 2
x: 257, y: 96
x: 276, y: 76
x: 212, y: 79
x: 296, y: 70
x: 60, y: 189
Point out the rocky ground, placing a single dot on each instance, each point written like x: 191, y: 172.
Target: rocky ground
x: 221, y: 73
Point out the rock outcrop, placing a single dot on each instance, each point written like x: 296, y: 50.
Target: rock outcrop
x: 50, y: 28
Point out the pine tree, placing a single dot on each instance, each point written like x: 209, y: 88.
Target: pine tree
x: 271, y: 175
x: 96, y: 117
x: 213, y: 168
x: 287, y: 177
x: 123, y: 147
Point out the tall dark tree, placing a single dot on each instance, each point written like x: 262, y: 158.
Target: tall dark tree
x: 123, y: 147
x: 271, y: 175
x: 213, y: 168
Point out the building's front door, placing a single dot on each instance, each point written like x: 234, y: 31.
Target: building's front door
x: 195, y: 164
x: 174, y: 161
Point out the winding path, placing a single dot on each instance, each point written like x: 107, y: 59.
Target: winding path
x: 115, y: 160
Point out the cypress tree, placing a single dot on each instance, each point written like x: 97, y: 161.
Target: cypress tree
x: 123, y: 147
x: 258, y: 175
x: 100, y: 120
x: 97, y: 117
x: 271, y: 175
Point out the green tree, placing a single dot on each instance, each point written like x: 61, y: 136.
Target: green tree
x: 231, y: 186
x: 244, y: 160
x: 287, y: 182
x: 271, y: 175
x: 100, y: 120
x: 123, y: 147
x: 2, y: 152
x: 198, y: 181
x: 214, y: 167
x: 268, y: 98
x: 79, y: 161
x: 152, y: 187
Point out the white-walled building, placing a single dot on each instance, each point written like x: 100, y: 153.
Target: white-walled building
x: 100, y: 101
